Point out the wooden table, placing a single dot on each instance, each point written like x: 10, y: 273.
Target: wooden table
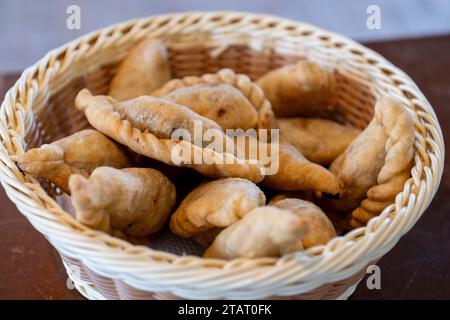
x: 418, y: 267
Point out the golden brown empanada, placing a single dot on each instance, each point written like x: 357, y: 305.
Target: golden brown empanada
x: 222, y: 103
x: 375, y: 166
x: 132, y: 201
x: 319, y: 140
x: 80, y: 152
x: 286, y: 168
x: 144, y: 69
x: 302, y: 89
x: 215, y: 204
x: 296, y: 173
x: 320, y: 229
x: 146, y: 125
x: 232, y: 100
x: 263, y: 232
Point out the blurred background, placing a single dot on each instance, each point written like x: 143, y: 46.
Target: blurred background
x: 30, y: 28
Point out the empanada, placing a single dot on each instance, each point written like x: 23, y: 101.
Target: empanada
x: 319, y: 140
x: 302, y: 89
x: 375, y: 166
x: 80, y: 152
x: 285, y: 167
x: 147, y: 125
x: 132, y: 201
x: 144, y: 69
x: 296, y: 173
x: 222, y: 103
x: 232, y: 100
x: 320, y: 229
x: 215, y: 204
x: 263, y: 232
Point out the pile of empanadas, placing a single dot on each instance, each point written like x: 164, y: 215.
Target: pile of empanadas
x: 330, y: 178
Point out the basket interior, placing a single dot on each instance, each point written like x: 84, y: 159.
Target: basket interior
x: 55, y: 116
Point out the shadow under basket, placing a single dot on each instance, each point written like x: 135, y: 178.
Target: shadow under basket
x: 39, y: 109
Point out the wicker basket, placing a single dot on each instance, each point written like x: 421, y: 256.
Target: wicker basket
x: 39, y: 108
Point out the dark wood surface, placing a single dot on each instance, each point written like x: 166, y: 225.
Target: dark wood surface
x: 418, y: 267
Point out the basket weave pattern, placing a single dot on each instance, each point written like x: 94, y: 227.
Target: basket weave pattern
x: 39, y: 108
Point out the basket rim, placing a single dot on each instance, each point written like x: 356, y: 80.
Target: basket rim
x: 43, y: 212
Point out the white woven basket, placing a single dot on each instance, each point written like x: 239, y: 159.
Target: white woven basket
x: 39, y: 108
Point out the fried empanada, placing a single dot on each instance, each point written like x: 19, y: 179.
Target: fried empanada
x: 263, y: 232
x: 375, y: 166
x: 286, y: 168
x: 147, y: 124
x: 215, y: 204
x: 222, y: 103
x: 320, y: 229
x: 303, y: 89
x: 80, y: 152
x: 132, y: 201
x: 232, y: 100
x: 296, y: 173
x: 319, y: 140
x: 145, y: 69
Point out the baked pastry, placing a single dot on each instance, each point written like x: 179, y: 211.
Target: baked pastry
x: 215, y: 204
x: 132, y: 201
x: 80, y: 152
x: 232, y: 100
x: 287, y: 169
x: 319, y: 140
x: 285, y: 226
x: 303, y: 89
x: 320, y: 229
x: 147, y: 125
x: 144, y: 69
x: 375, y: 166
x: 296, y: 173
x: 221, y: 103
x: 263, y: 232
